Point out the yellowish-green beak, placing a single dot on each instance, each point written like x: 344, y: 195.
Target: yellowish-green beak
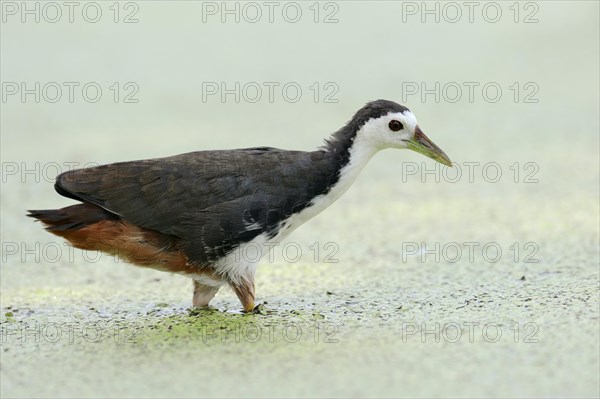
x: 421, y: 144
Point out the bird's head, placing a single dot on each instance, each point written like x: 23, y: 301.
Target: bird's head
x: 386, y: 124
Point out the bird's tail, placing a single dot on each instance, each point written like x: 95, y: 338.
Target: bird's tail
x: 90, y: 227
x: 71, y: 218
x: 83, y: 225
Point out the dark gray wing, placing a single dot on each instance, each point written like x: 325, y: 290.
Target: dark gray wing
x: 211, y: 200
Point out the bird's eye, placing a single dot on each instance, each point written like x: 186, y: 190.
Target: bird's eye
x: 395, y: 125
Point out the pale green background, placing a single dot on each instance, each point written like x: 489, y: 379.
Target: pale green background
x: 369, y: 53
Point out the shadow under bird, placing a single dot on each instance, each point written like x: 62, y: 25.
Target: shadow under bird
x: 191, y: 213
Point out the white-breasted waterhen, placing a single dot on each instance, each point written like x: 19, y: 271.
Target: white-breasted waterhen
x: 190, y: 213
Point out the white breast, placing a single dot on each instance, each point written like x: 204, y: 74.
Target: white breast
x: 359, y: 156
x: 239, y: 265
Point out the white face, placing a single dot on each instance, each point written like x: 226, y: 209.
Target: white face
x: 389, y: 131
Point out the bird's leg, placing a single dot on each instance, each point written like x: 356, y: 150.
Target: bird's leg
x: 203, y: 294
x: 245, y: 292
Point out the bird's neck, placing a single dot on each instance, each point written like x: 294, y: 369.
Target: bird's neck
x: 350, y: 160
x: 338, y: 169
x: 357, y: 156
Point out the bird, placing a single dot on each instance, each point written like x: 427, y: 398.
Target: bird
x: 193, y: 213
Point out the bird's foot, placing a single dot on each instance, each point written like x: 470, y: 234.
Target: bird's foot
x: 196, y: 311
x: 258, y: 309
